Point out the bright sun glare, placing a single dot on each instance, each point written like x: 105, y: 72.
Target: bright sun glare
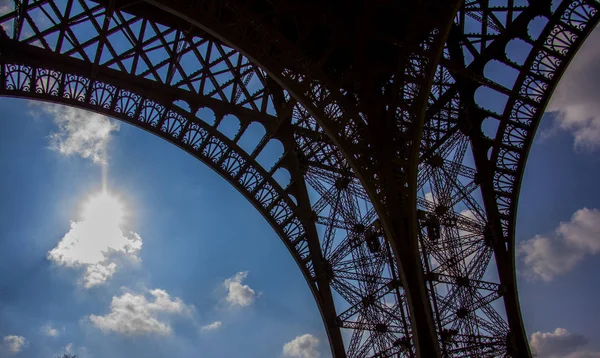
x: 104, y: 209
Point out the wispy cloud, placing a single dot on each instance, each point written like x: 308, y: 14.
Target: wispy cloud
x: 14, y: 344
x: 304, y: 346
x: 547, y: 256
x: 50, y: 331
x: 238, y: 294
x: 134, y: 315
x: 211, y: 327
x: 80, y: 132
x: 560, y: 344
x: 575, y: 100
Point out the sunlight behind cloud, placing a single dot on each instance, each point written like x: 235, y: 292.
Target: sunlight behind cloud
x: 94, y: 242
x: 104, y: 209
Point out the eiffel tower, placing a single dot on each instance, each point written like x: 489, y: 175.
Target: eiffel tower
x: 404, y: 128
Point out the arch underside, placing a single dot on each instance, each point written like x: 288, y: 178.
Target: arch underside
x: 164, y: 76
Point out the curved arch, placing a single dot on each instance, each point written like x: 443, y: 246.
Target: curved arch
x: 565, y: 30
x: 499, y: 161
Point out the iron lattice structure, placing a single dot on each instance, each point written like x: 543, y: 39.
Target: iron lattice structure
x: 403, y: 130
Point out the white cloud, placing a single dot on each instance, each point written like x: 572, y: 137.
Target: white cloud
x: 237, y: 293
x: 583, y: 231
x: 98, y: 273
x: 97, y: 242
x: 211, y: 327
x: 560, y: 344
x: 133, y: 314
x: 50, y: 331
x: 82, y: 245
x: 14, y: 344
x: 547, y: 257
x: 575, y: 99
x: 80, y: 132
x: 304, y: 346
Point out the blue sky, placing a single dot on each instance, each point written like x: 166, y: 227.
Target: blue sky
x: 194, y: 270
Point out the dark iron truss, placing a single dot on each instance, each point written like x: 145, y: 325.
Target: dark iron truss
x: 402, y: 130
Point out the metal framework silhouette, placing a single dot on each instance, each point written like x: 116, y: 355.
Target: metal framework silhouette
x: 403, y: 129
